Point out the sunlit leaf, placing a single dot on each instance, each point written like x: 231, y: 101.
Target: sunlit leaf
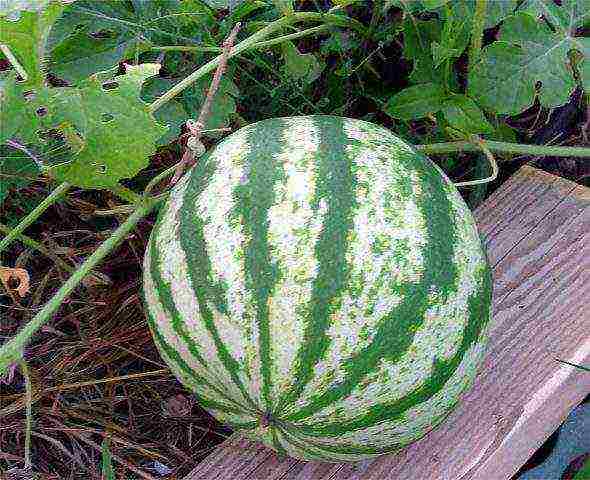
x: 300, y: 66
x: 26, y: 35
x: 117, y: 131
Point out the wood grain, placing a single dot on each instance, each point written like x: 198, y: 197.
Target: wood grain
x: 536, y: 229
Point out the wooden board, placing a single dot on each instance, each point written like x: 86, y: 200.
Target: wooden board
x: 536, y: 229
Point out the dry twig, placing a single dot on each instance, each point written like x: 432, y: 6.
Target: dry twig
x: 194, y: 147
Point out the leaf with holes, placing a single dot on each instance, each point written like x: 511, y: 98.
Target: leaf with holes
x: 17, y: 170
x: 26, y: 36
x: 94, y: 36
x: 20, y: 114
x: 172, y: 113
x: 112, y: 128
x: 529, y: 51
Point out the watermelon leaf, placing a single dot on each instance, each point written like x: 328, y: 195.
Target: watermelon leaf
x: 16, y: 170
x: 464, y: 115
x: 300, y: 66
x: 172, y: 113
x: 416, y: 102
x: 109, y: 129
x: 530, y: 51
x: 26, y: 34
x: 222, y: 109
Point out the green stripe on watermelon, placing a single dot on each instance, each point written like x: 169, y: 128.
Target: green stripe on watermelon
x: 193, y: 244
x: 335, y: 185
x: 173, y: 358
x: 396, y: 333
x: 253, y: 200
x: 443, y: 370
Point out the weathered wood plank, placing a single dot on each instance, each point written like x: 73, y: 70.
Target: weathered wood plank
x: 537, y: 232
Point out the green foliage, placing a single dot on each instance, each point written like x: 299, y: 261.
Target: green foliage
x: 172, y: 114
x: 107, y: 470
x: 300, y: 66
x: 224, y: 104
x: 284, y: 6
x: 110, y: 130
x: 416, y: 102
x: 530, y: 51
x: 94, y: 36
x: 464, y: 116
x: 584, y: 472
x: 26, y: 34
x: 17, y: 170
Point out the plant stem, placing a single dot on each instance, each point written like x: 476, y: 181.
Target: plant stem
x: 292, y: 36
x: 477, y: 32
x: 505, y: 147
x: 13, y: 61
x: 126, y: 194
x: 493, y: 164
x: 249, y: 43
x: 34, y: 215
x: 29, y: 242
x: 186, y: 48
x: 11, y: 351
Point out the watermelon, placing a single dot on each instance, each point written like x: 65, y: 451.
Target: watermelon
x: 320, y: 286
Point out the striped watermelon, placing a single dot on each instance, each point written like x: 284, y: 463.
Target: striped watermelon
x: 320, y: 286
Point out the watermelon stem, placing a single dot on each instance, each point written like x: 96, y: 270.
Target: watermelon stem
x: 11, y: 351
x: 504, y: 147
x: 53, y: 197
x: 252, y: 42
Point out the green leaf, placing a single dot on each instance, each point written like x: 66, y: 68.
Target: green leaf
x: 224, y: 4
x: 23, y: 111
x: 571, y: 15
x: 464, y: 115
x: 441, y: 53
x: 584, y: 44
x: 12, y: 8
x: 284, y: 6
x: 433, y: 4
x: 26, y: 36
x: 223, y: 107
x: 12, y: 106
x: 172, y: 113
x: 17, y: 170
x: 416, y: 102
x: 529, y: 52
x: 419, y: 35
x: 94, y: 36
x: 300, y: 66
x: 109, y: 127
x: 496, y: 11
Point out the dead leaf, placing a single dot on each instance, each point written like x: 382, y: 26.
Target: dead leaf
x: 7, y: 274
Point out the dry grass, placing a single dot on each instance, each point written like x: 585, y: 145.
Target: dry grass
x: 95, y: 370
